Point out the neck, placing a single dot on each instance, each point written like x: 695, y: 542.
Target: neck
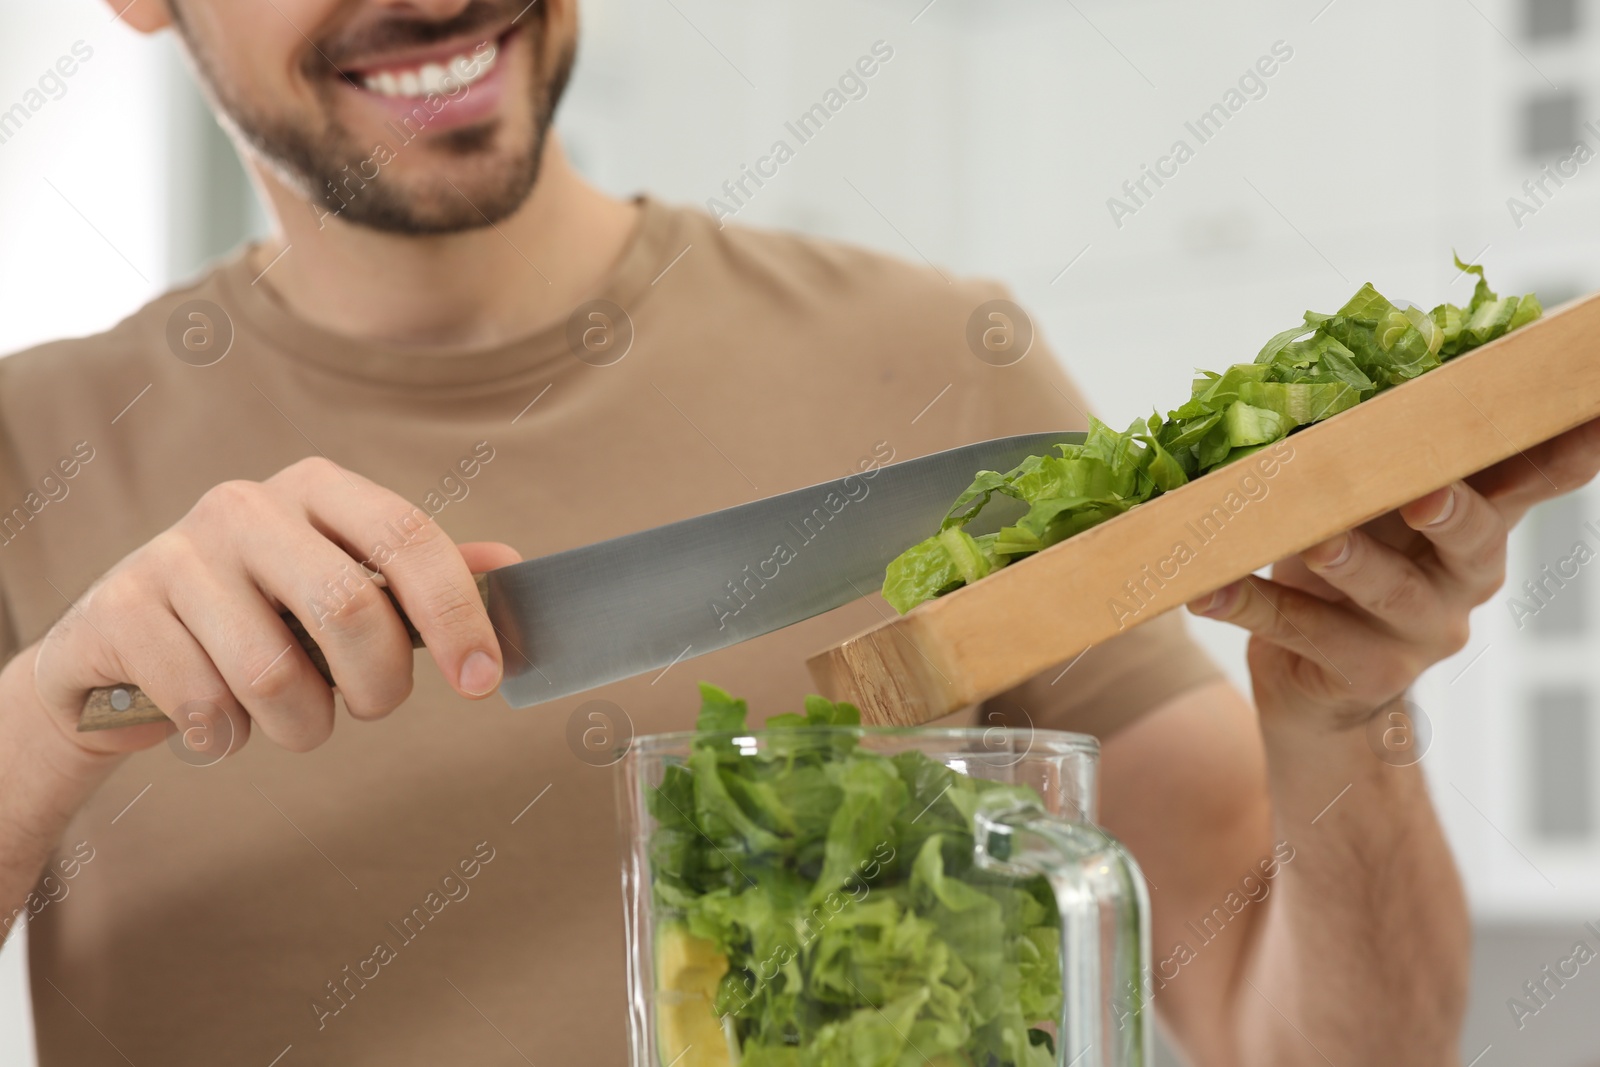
x: 473, y: 289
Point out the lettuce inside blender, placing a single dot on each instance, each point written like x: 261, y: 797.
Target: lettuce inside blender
x: 817, y: 905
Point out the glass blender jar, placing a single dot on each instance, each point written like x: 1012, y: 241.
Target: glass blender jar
x: 846, y: 896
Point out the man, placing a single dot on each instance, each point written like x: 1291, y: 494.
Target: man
x: 441, y: 886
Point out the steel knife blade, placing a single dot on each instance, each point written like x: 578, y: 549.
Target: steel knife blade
x: 578, y: 619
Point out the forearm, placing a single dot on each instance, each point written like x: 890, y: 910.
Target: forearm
x: 1364, y: 953
x: 44, y: 779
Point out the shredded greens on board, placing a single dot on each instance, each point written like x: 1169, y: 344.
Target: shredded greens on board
x: 818, y: 903
x: 1301, y: 376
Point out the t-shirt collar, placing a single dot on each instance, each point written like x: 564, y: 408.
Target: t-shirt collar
x: 383, y: 363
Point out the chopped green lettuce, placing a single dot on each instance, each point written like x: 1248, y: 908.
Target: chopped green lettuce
x: 1301, y: 376
x: 834, y: 887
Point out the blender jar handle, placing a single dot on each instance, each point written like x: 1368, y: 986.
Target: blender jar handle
x: 1105, y: 926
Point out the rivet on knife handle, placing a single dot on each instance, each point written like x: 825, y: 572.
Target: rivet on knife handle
x: 113, y: 706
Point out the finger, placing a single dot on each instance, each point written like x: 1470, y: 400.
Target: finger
x: 345, y: 612
x: 115, y: 635
x: 421, y: 564
x: 1387, y: 529
x: 259, y: 659
x: 178, y: 674
x: 1557, y: 466
x: 1293, y: 572
x: 1390, y: 529
x: 1379, y: 580
x: 286, y: 563
x: 1468, y: 535
x: 481, y: 556
x: 1355, y: 655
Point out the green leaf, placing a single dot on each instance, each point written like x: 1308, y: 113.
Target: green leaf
x: 719, y: 815
x: 1250, y: 425
x: 1490, y: 319
x: 820, y: 711
x: 863, y: 822
x: 1300, y: 403
x: 1279, y: 342
x: 1528, y: 309
x: 1481, y: 293
x: 719, y: 712
x: 1163, y: 469
x: 970, y: 561
x: 920, y: 573
x: 1385, y: 343
x: 974, y: 498
x: 1450, y: 320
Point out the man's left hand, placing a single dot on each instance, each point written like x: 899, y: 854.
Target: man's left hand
x: 1343, y: 628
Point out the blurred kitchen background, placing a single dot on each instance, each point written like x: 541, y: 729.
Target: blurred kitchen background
x: 990, y: 144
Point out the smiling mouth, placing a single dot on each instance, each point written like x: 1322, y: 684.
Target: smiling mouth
x: 419, y: 75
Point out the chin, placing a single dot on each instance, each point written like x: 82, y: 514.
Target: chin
x: 433, y: 180
x: 458, y: 187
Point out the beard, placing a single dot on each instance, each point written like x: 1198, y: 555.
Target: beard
x: 329, y: 166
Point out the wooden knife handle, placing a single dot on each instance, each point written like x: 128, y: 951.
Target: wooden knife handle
x: 112, y: 706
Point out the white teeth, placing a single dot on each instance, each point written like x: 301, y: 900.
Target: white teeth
x: 463, y: 69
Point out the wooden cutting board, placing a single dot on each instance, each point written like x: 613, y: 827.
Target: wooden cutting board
x: 1039, y: 612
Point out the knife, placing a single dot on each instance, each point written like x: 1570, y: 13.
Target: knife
x: 578, y: 619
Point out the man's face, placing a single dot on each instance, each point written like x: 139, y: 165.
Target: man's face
x: 412, y: 117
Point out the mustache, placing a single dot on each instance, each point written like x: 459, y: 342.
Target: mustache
x: 486, y: 17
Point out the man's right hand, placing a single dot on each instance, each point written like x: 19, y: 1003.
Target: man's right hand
x: 192, y: 617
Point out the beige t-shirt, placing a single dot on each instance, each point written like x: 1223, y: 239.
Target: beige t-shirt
x: 228, y: 912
